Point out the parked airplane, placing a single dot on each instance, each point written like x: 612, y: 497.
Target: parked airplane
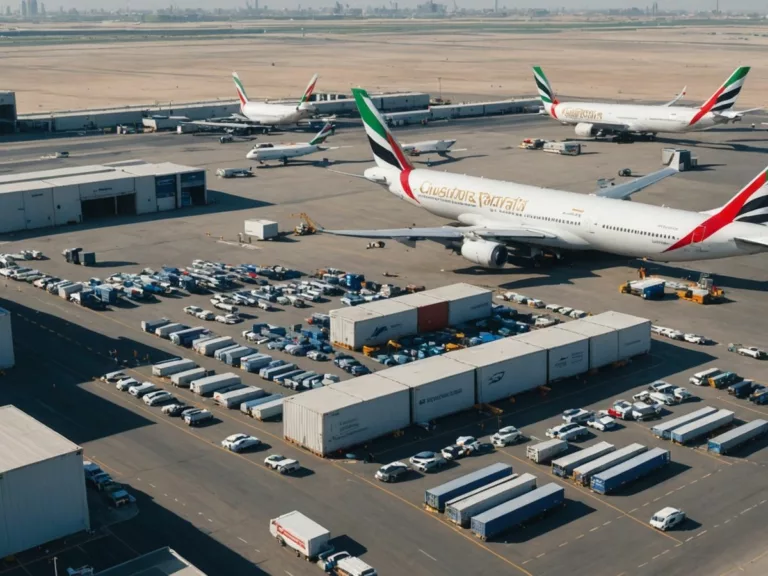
x: 495, y: 217
x: 441, y: 147
x: 284, y: 152
x: 602, y: 119
x: 266, y: 113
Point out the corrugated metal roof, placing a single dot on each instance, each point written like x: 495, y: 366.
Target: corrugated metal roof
x: 549, y: 338
x: 55, y: 173
x: 369, y: 387
x: 585, y: 328
x: 492, y: 352
x: 355, y: 313
x: 25, y: 186
x: 616, y: 320
x: 25, y: 441
x: 455, y: 291
x: 426, y: 371
x: 323, y: 400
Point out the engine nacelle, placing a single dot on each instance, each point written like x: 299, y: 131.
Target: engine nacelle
x: 584, y: 129
x: 484, y: 253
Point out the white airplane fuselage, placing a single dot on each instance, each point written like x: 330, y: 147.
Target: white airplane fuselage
x: 428, y: 147
x: 282, y: 152
x: 275, y: 114
x: 578, y: 221
x: 637, y: 117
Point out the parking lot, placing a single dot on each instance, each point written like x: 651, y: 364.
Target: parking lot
x: 213, y: 506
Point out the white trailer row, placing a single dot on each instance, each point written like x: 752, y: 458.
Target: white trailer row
x: 343, y: 415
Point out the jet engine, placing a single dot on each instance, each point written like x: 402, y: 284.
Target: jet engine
x: 484, y: 253
x: 583, y: 129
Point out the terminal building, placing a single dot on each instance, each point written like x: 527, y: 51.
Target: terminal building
x: 73, y: 195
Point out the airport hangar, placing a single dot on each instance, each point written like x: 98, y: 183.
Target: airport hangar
x: 73, y: 195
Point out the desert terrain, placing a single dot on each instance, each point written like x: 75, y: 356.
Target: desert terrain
x: 472, y: 61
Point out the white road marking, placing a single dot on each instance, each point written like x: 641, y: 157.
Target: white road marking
x: 670, y: 492
x: 428, y: 555
x: 289, y: 574
x: 665, y: 551
x: 241, y: 540
x: 209, y: 520
x: 747, y: 510
x: 540, y: 555
x: 657, y: 499
x: 175, y: 499
x: 153, y: 486
x: 643, y: 564
x: 763, y: 501
x: 165, y: 494
x: 606, y: 523
x: 689, y: 539
x: 580, y: 536
x: 706, y: 475
x: 693, y: 482
x: 595, y: 528
x: 537, y: 439
x: 646, y: 504
x: 563, y: 544
x: 701, y: 533
x: 526, y: 562
x: 657, y: 555
x: 633, y: 510
x: 716, y: 526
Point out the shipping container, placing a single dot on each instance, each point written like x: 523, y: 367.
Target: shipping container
x: 185, y: 337
x: 332, y: 418
x: 461, y: 512
x: 504, y: 368
x: 246, y: 407
x: 67, y: 291
x: 219, y: 354
x: 261, y: 229
x: 734, y: 438
x: 603, y: 341
x: 466, y: 302
x: 174, y: 367
x: 584, y: 473
x: 372, y: 324
x: 233, y: 356
x: 664, y: 429
x: 543, y: 452
x: 431, y: 312
x: 401, y: 319
x: 565, y: 466
x: 268, y: 410
x: 210, y: 384
x: 208, y: 347
x: 254, y: 362
x: 567, y: 353
x: 270, y: 373
x: 701, y: 427
x: 184, y: 379
x: 168, y: 329
x: 436, y: 498
x: 152, y: 325
x: 300, y: 533
x: 629, y: 471
x: 634, y: 332
x: 7, y: 357
x: 513, y: 513
x: 439, y: 386
x: 235, y: 398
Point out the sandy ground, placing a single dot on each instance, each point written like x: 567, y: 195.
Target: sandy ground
x: 642, y: 63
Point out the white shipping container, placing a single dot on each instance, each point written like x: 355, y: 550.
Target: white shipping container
x: 67, y: 291
x: 7, y: 356
x: 567, y: 353
x: 11, y: 209
x: 183, y: 379
x: 504, y: 368
x: 439, y: 386
x: 166, y: 330
x: 261, y: 229
x: 634, y: 332
x: 397, y: 320
x: 67, y: 205
x: 328, y: 419
x: 208, y: 347
x: 466, y: 302
x: 175, y: 367
x: 355, y: 327
x: 234, y: 398
x: 268, y: 410
x: 603, y: 341
x: 462, y: 511
x: 211, y: 384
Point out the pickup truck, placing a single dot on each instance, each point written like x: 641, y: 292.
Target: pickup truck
x: 751, y: 351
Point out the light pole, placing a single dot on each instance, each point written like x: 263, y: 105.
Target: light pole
x: 55, y: 566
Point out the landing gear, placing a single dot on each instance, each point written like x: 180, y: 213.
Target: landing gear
x: 284, y: 160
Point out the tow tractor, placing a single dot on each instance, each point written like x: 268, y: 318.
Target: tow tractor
x: 306, y: 227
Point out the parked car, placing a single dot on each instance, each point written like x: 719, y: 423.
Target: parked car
x: 577, y: 415
x: 667, y: 518
x: 427, y: 461
x: 192, y: 310
x: 317, y: 355
x: 750, y: 351
x: 113, y: 377
x: 282, y: 464
x: 506, y: 436
x: 359, y: 370
x: 206, y: 315
x: 454, y: 452
x: 621, y: 409
x: 141, y: 389
x: 570, y: 431
x: 602, y: 423
x: 277, y: 345
x: 158, y: 397
x: 695, y: 339
x: 228, y: 319
x: 340, y: 358
x: 124, y: 385
x: 240, y: 442
x: 174, y: 409
x: 392, y: 472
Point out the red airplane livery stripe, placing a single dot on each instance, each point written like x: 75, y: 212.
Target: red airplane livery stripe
x: 552, y: 110
x: 404, y: 175
x: 707, y: 106
x: 724, y: 217
x: 406, y: 166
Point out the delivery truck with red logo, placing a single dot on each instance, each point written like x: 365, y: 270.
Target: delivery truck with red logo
x: 301, y: 534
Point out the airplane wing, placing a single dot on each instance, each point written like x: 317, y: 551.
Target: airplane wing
x: 445, y: 233
x: 736, y: 115
x: 761, y: 242
x: 677, y: 98
x: 624, y: 191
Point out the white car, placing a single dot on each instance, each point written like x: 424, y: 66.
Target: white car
x: 465, y: 440
x: 565, y: 311
x: 621, y: 409
x: 544, y: 322
x: 641, y: 396
x: 141, y: 389
x: 506, y: 436
x: 567, y: 431
x: 695, y: 339
x: 659, y: 385
x: 577, y: 415
x: 752, y: 352
x: 123, y: 385
x: 240, y: 442
x: 576, y: 314
x: 658, y: 329
x: 426, y: 461
x: 228, y: 319
x: 226, y: 306
x: 113, y: 377
x: 667, y: 518
x: 281, y: 464
x: 682, y: 394
x: 672, y: 334
x: 206, y: 315
x: 536, y: 303
x: 155, y: 398
x: 666, y: 398
x: 391, y: 472
x: 192, y: 310
x: 553, y: 307
x: 602, y: 423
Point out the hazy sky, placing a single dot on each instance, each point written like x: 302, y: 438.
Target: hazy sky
x: 569, y: 4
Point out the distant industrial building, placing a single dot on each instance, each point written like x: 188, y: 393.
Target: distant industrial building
x: 73, y: 195
x: 42, y: 488
x: 7, y: 356
x: 162, y: 562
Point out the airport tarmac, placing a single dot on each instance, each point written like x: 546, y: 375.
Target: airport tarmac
x: 213, y: 506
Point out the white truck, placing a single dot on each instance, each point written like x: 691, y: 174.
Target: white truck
x: 751, y: 351
x: 544, y: 451
x: 301, y: 534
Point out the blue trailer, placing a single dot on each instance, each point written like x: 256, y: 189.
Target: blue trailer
x: 515, y: 512
x: 255, y: 362
x: 233, y: 356
x: 436, y: 498
x: 734, y: 438
x: 106, y: 293
x: 629, y: 471
x: 185, y: 337
x: 664, y: 430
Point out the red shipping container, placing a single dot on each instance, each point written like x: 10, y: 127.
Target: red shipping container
x: 432, y: 317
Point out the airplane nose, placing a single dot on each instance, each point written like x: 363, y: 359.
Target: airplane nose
x: 252, y: 155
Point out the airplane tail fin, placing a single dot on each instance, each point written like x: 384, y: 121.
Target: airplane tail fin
x: 546, y: 93
x: 308, y: 92
x: 750, y: 204
x: 322, y: 135
x: 725, y: 97
x: 240, y: 90
x: 386, y: 151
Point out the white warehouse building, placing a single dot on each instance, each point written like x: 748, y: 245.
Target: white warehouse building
x: 73, y: 195
x: 42, y: 488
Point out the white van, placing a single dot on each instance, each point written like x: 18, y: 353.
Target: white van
x: 702, y: 378
x: 353, y: 566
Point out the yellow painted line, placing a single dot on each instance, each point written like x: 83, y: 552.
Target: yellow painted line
x: 590, y: 495
x: 106, y: 466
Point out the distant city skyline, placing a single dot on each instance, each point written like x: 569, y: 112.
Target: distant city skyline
x: 725, y: 5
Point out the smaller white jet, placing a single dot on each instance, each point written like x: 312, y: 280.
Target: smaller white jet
x: 439, y: 147
x: 269, y: 114
x: 284, y: 152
